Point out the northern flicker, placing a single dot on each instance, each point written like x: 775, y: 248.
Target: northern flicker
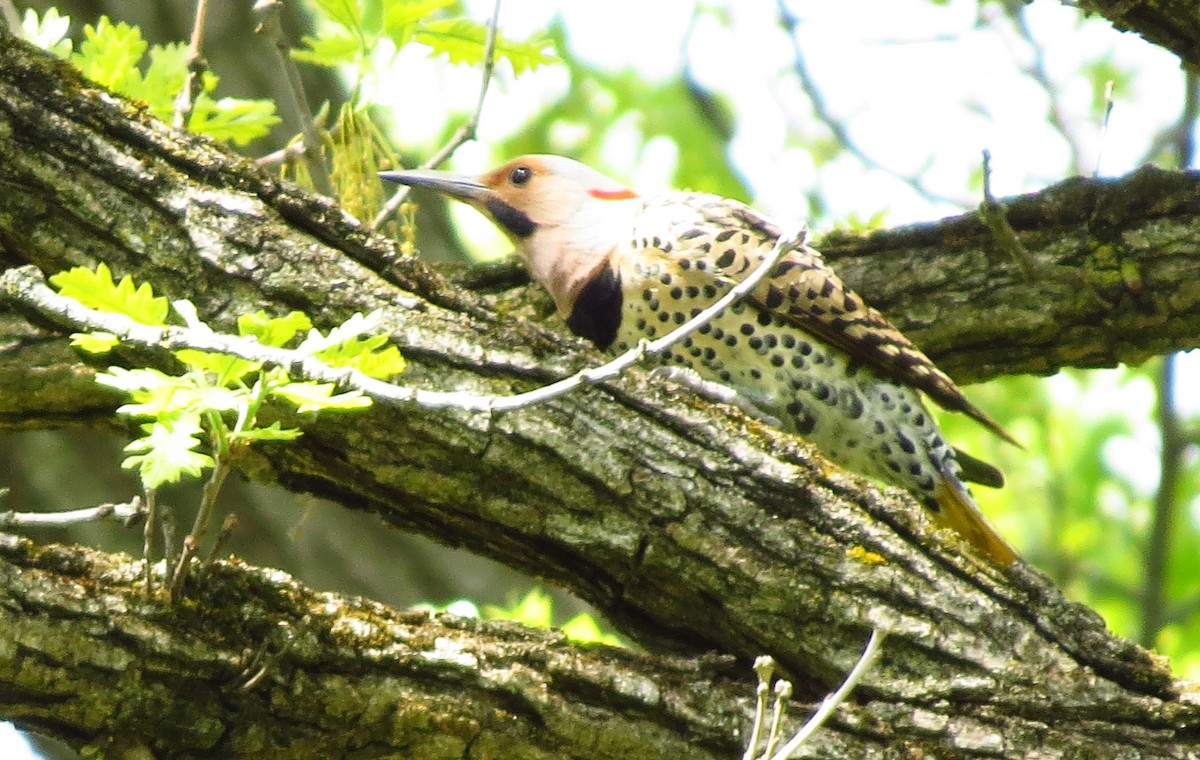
x: 802, y: 348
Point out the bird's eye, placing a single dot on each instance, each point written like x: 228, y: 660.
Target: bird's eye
x: 520, y: 175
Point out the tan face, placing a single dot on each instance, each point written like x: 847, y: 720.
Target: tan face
x: 547, y: 191
x: 563, y: 217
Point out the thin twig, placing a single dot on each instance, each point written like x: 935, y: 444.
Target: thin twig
x: 1108, y: 109
x: 170, y: 534
x: 228, y: 526
x: 869, y: 655
x: 1162, y: 519
x: 783, y: 692
x: 465, y: 132
x: 24, y: 286
x: 10, y: 16
x: 764, y: 668
x: 195, y: 67
x: 269, y: 13
x: 791, y: 24
x: 994, y: 216
x: 295, y: 148
x: 1155, y: 613
x: 152, y: 522
x: 127, y: 513
x: 191, y: 542
x: 179, y: 574
x: 1037, y: 71
x: 261, y: 660
x: 208, y: 496
x: 284, y: 155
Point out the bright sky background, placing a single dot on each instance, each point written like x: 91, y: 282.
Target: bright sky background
x: 917, y: 85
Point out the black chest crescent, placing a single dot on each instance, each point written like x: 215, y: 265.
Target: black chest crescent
x: 597, y: 312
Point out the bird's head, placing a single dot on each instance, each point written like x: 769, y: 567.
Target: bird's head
x: 564, y: 218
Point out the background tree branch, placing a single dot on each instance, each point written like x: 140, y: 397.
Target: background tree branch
x: 1172, y: 24
x: 692, y: 527
x: 258, y: 665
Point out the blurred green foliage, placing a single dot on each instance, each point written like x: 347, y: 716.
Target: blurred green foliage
x: 1079, y: 498
x: 116, y: 56
x: 597, y: 100
x: 353, y: 33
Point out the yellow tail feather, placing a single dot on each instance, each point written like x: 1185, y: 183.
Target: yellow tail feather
x: 958, y: 512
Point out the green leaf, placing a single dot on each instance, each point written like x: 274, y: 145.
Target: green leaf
x: 131, y: 380
x: 166, y: 453
x: 584, y: 629
x: 401, y: 18
x: 344, y: 346
x: 314, y: 343
x: 227, y: 369
x: 95, y: 342
x: 373, y: 356
x: 329, y: 50
x: 315, y: 397
x: 534, y: 610
x: 163, y: 80
x: 273, y: 331
x: 156, y: 394
x: 96, y: 290
x: 237, y: 120
x: 462, y: 41
x: 111, y: 53
x: 274, y: 432
x: 48, y: 32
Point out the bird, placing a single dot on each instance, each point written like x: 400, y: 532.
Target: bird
x: 802, y: 348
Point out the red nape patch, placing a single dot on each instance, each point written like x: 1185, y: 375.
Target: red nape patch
x: 613, y: 195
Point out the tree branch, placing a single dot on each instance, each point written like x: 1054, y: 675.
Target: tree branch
x: 956, y: 292
x: 1172, y: 24
x: 691, y: 526
x: 258, y: 665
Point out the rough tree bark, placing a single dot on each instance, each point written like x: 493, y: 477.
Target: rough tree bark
x: 692, y: 527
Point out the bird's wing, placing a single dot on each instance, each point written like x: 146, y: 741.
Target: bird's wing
x: 803, y: 290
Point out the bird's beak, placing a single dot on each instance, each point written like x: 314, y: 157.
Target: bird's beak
x: 458, y: 186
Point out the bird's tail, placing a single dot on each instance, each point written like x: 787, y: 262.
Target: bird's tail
x: 958, y: 511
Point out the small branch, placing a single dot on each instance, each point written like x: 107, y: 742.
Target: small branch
x: 1108, y: 109
x: 284, y: 155
x: 714, y: 392
x: 764, y: 668
x: 180, y: 573
x: 869, y: 655
x: 783, y: 692
x: 994, y: 216
x: 23, y: 286
x: 295, y: 148
x: 228, y: 526
x: 10, y: 16
x: 269, y: 12
x: 127, y: 513
x: 1158, y: 543
x: 195, y: 67
x: 1039, y: 73
x: 821, y: 110
x: 152, y: 522
x: 465, y: 132
x: 208, y: 497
